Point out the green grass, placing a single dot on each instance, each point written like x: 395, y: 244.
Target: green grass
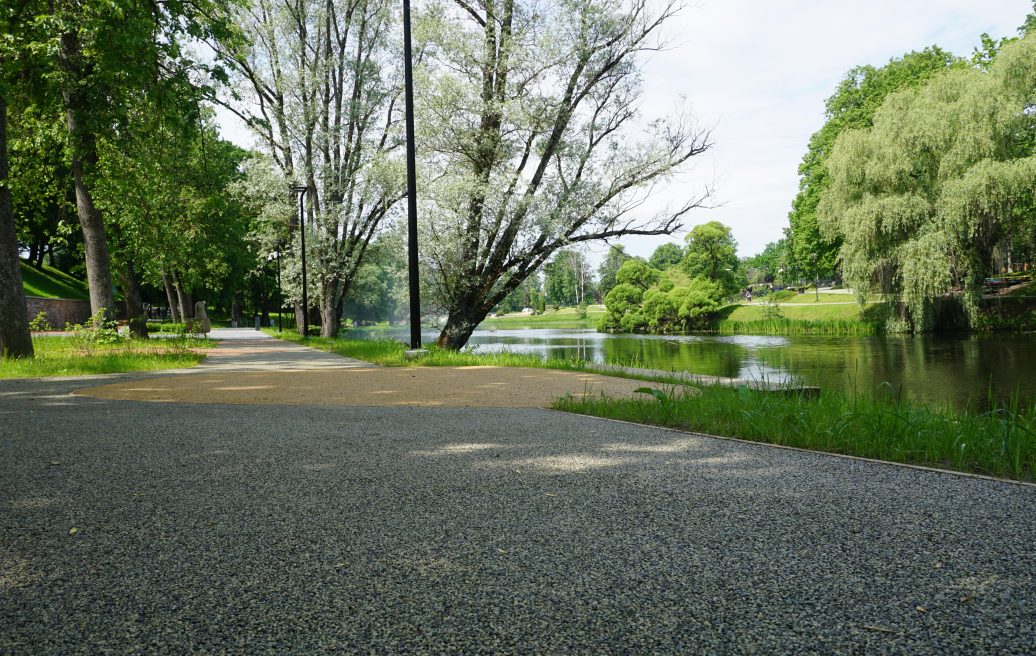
x: 72, y: 356
x: 1001, y: 442
x: 788, y: 326
x: 51, y: 283
x: 390, y: 353
x: 563, y: 318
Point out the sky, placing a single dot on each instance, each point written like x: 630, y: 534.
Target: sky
x: 757, y: 72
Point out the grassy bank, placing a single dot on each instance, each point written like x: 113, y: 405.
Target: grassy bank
x: 1001, y: 442
x: 51, y: 283
x: 70, y: 356
x: 391, y: 353
x: 562, y: 319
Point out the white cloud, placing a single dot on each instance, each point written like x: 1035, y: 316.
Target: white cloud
x: 760, y: 71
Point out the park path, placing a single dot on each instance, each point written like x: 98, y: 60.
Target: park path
x: 266, y: 527
x: 250, y: 367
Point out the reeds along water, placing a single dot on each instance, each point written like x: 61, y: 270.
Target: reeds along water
x: 797, y: 327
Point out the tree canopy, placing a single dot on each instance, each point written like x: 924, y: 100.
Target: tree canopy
x: 946, y: 174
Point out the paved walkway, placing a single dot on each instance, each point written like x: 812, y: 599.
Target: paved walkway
x: 129, y: 526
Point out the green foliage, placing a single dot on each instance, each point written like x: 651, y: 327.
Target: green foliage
x: 769, y: 266
x: 712, y: 254
x: 878, y: 424
x: 663, y: 307
x: 98, y: 329
x: 666, y: 256
x: 852, y: 106
x: 39, y: 323
x: 567, y: 279
x: 606, y: 273
x: 921, y: 200
x: 638, y: 273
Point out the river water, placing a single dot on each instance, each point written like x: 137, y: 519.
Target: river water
x: 924, y: 369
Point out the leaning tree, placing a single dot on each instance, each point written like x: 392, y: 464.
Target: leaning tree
x: 529, y: 119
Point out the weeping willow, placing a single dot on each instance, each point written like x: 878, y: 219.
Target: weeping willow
x: 947, y: 173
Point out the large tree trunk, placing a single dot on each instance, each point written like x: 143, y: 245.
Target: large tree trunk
x: 170, y: 295
x: 84, y: 160
x: 300, y: 318
x: 330, y: 317
x: 460, y: 324
x: 15, y: 338
x: 134, y: 302
x: 186, y: 311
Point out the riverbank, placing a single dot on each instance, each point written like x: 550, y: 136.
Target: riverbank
x: 999, y: 440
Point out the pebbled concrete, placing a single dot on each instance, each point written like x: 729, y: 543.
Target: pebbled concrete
x: 210, y: 528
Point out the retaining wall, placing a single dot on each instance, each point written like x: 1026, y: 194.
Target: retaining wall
x: 60, y: 311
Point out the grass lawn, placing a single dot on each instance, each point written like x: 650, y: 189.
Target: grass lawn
x: 51, y: 283
x: 72, y: 356
x: 1001, y: 442
x: 565, y: 317
x: 798, y: 312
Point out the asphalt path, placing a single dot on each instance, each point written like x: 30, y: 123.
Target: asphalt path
x: 134, y: 527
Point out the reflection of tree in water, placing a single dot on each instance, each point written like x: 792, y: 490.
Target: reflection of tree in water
x: 705, y: 356
x: 928, y: 369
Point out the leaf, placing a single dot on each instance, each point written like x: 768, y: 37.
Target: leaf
x: 661, y: 396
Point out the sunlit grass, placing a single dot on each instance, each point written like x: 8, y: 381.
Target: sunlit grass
x: 879, y: 425
x: 71, y: 356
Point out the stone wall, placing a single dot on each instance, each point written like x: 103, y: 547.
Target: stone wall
x: 60, y: 311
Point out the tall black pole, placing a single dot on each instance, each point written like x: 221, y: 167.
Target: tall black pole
x: 411, y: 184
x: 305, y: 291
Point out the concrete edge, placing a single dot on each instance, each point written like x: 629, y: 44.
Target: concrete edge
x: 933, y: 470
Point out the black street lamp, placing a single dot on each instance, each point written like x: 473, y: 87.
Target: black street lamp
x: 301, y: 191
x: 411, y: 184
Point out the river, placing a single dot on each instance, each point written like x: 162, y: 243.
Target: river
x: 924, y: 369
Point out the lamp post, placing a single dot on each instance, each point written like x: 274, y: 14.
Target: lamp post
x: 411, y: 185
x: 301, y: 191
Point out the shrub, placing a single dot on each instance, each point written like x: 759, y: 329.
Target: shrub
x: 39, y: 323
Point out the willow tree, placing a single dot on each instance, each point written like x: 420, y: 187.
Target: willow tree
x: 318, y: 84
x: 922, y: 198
x: 531, y: 143
x: 852, y: 106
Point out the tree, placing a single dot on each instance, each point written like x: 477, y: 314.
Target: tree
x: 567, y: 278
x: 666, y: 256
x: 638, y: 273
x: 851, y: 106
x: 767, y: 265
x: 609, y: 267
x: 319, y: 85
x: 167, y: 191
x: 89, y: 57
x: 923, y: 198
x: 15, y: 339
x: 711, y: 253
x: 532, y: 142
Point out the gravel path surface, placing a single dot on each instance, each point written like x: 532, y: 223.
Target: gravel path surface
x: 288, y: 529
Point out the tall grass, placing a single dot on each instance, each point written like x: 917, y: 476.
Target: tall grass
x: 880, y: 425
x: 69, y: 356
x: 785, y: 326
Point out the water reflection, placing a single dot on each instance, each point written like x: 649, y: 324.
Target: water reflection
x: 927, y: 369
